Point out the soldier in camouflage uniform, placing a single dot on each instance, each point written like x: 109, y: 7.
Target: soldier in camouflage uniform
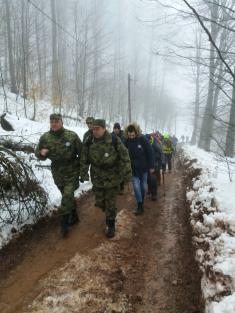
x: 110, y: 164
x: 89, y: 133
x: 63, y: 147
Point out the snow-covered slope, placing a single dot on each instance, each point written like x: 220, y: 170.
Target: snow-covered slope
x: 212, y: 199
x: 28, y: 132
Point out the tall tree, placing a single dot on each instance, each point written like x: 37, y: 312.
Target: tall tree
x: 10, y: 49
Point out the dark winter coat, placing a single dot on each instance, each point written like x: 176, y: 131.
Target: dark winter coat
x: 141, y: 155
x: 157, y: 153
x: 120, y: 135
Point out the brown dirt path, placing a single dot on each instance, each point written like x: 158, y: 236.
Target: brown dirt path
x: 149, y: 266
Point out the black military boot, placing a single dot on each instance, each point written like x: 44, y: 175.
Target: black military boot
x: 64, y: 225
x: 110, y: 232
x: 73, y: 218
x: 139, y: 210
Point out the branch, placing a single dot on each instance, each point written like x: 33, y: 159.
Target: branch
x: 210, y: 38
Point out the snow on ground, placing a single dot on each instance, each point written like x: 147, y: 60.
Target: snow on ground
x: 28, y: 132
x: 212, y: 199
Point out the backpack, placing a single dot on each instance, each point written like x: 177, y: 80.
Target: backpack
x: 89, y: 141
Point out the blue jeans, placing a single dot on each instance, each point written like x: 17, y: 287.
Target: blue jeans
x: 140, y: 187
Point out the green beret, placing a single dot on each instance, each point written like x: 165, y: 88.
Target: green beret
x: 99, y: 123
x: 56, y: 116
x: 90, y: 120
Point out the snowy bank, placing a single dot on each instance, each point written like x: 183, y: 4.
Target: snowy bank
x: 212, y: 203
x: 27, y: 132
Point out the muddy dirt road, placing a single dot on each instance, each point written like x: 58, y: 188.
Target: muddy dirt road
x: 148, y: 267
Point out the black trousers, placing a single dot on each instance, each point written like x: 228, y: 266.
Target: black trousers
x: 152, y: 183
x: 167, y: 161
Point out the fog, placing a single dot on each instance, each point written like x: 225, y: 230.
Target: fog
x: 78, y: 54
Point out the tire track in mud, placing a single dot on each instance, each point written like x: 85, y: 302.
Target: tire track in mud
x: 148, y: 267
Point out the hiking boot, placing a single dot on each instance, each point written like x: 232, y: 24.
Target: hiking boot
x: 73, y: 218
x: 110, y: 232
x: 140, y: 209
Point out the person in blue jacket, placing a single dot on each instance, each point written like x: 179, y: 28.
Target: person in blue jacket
x: 142, y: 162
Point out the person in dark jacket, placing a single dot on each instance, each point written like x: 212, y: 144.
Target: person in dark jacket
x: 157, y: 154
x: 142, y: 161
x: 117, y: 131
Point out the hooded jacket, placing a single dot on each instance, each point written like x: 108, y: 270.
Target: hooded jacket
x: 140, y: 152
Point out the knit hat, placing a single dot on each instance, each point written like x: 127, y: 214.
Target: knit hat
x: 117, y: 125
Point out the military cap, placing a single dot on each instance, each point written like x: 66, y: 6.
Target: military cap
x: 99, y: 123
x: 90, y: 120
x: 56, y: 116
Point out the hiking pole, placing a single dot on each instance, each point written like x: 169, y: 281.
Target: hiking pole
x: 163, y: 180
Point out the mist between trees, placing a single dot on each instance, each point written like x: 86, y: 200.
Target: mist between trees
x: 77, y: 54
x: 210, y: 53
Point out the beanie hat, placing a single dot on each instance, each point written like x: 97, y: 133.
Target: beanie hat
x: 117, y: 125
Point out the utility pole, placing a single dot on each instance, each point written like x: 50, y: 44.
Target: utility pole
x: 129, y: 97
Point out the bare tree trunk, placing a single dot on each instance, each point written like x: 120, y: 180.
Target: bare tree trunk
x: 55, y: 71
x: 4, y: 91
x: 10, y: 50
x: 6, y: 62
x: 44, y: 53
x: 230, y: 137
x: 197, y: 93
x: 84, y: 68
x: 24, y: 51
x: 207, y: 122
x: 39, y: 57
x: 77, y: 80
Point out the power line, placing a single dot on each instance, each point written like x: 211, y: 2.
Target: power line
x: 52, y: 20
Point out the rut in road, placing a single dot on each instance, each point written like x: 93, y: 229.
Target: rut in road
x: 148, y: 267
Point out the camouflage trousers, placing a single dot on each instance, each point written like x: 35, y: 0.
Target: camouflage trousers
x: 67, y: 183
x: 105, y: 198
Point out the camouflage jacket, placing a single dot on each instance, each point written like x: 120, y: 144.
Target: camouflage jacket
x: 110, y: 164
x: 88, y: 134
x: 64, y: 148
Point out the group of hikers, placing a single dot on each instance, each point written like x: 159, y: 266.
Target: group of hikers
x: 111, y: 160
